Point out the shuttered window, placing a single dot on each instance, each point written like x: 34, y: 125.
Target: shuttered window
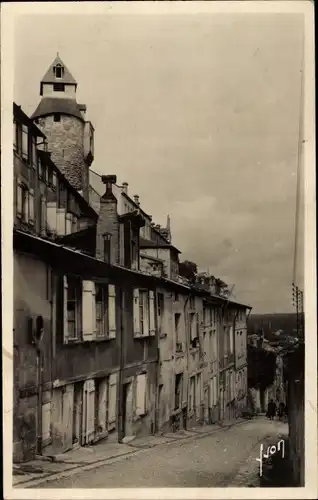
x: 72, y: 308
x: 101, y: 311
x: 31, y: 206
x: 136, y: 313
x: 25, y: 142
x: 152, y: 328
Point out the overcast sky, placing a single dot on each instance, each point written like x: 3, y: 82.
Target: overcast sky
x: 200, y: 115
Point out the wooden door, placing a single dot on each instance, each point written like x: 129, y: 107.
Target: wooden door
x: 68, y: 401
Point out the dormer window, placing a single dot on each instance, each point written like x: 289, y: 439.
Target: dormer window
x: 58, y: 71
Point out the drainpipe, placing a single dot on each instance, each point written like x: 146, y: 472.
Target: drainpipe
x: 121, y: 368
x: 187, y: 349
x: 39, y: 401
x: 37, y: 335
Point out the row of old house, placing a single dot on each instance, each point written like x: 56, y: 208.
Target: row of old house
x: 109, y: 341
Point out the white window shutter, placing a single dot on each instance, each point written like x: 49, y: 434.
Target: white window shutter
x: 111, y: 311
x: 31, y: 206
x: 52, y: 216
x: 89, y: 314
x: 136, y: 313
x: 65, y: 319
x: 141, y: 394
x: 152, y: 328
x: 19, y: 200
x: 112, y: 398
x: 89, y: 411
x: 61, y: 222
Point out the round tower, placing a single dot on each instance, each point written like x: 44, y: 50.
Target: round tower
x: 69, y: 135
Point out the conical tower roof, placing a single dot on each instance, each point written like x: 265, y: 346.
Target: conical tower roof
x: 50, y: 76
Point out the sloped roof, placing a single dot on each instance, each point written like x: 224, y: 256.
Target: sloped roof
x: 49, y: 105
x: 153, y: 244
x: 49, y: 76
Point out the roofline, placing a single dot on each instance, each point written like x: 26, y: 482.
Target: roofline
x: 20, y: 114
x: 164, y: 245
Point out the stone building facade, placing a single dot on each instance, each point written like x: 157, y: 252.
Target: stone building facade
x: 109, y: 340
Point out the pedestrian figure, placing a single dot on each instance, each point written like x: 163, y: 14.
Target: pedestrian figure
x: 271, y: 410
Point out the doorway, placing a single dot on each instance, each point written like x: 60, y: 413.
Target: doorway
x: 127, y: 409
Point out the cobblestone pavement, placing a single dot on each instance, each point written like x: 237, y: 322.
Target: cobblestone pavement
x: 213, y: 461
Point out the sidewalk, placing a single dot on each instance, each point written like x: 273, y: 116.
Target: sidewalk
x: 33, y: 473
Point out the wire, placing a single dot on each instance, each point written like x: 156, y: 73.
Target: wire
x: 298, y: 169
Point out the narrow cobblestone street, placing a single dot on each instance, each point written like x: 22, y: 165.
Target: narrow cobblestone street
x: 212, y: 461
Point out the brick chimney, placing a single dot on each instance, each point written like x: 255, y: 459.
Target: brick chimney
x: 107, y: 223
x: 136, y: 199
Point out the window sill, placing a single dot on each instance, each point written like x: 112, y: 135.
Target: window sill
x: 163, y: 335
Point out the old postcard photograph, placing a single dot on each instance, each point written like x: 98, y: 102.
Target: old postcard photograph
x: 159, y: 272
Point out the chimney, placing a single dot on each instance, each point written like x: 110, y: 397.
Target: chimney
x: 108, y: 222
x: 136, y: 199
x: 124, y: 188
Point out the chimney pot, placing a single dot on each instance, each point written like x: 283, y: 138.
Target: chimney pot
x: 124, y: 188
x: 109, y: 179
x: 136, y: 199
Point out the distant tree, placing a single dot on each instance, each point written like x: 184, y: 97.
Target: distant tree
x: 188, y: 269
x: 261, y: 367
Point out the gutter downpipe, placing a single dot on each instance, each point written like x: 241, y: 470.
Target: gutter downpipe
x: 187, y: 349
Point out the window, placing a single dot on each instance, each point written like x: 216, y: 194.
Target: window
x: 43, y: 215
x: 31, y: 206
x: 54, y: 180
x: 101, y: 311
x: 192, y: 394
x: 25, y: 142
x: 160, y: 299
x: 57, y: 117
x: 211, y: 316
x: 143, y: 311
x: 192, y: 302
x: 22, y: 203
x: 74, y: 306
x: 178, y: 391
x: 192, y: 326
x: 199, y: 390
x: 176, y: 297
x: 204, y: 316
x: 58, y: 71
x: 176, y: 329
x: 58, y: 87
x: 34, y: 153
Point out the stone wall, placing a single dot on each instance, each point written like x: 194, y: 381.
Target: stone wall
x: 66, y: 143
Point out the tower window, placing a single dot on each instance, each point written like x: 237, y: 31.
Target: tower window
x: 57, y: 117
x: 58, y: 71
x: 58, y: 87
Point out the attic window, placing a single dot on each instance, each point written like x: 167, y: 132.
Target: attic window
x: 58, y: 87
x: 58, y: 71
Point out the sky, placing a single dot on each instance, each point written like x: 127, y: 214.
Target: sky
x: 200, y: 115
